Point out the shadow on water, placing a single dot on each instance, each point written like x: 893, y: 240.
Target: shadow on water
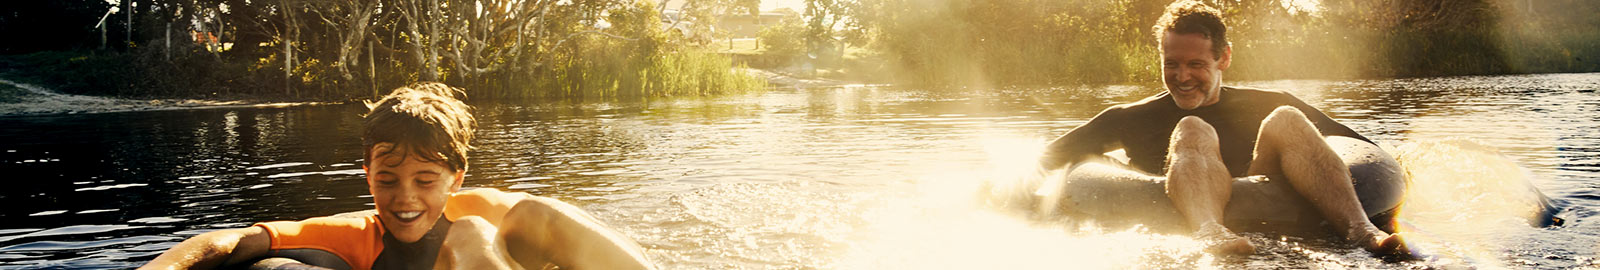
x: 854, y: 177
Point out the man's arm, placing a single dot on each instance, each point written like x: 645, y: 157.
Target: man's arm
x: 214, y: 250
x: 1083, y: 143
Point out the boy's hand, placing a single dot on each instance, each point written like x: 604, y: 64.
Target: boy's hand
x: 214, y: 250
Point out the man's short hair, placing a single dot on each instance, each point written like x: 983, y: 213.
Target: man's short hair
x: 1194, y: 17
x: 425, y: 118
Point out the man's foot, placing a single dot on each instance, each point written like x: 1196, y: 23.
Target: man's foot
x: 1393, y: 244
x: 1219, y: 239
x: 1381, y: 243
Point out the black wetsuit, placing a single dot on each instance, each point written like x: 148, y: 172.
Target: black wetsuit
x: 1144, y: 129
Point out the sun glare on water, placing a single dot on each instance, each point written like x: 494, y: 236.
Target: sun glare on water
x: 1466, y: 202
x: 942, y: 225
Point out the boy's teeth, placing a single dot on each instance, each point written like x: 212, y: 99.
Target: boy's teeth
x: 407, y: 215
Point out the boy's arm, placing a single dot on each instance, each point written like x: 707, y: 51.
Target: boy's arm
x: 540, y: 229
x: 487, y: 203
x: 214, y: 250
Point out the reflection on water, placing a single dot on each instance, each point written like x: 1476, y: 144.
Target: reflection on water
x: 843, y: 178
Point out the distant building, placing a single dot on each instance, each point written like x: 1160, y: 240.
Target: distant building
x: 747, y: 26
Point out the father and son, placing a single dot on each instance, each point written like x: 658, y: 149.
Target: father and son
x: 1198, y: 134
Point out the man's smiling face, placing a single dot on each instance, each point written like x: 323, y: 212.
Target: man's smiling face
x: 1191, y: 72
x: 409, y: 191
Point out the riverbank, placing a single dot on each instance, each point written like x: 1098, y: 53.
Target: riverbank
x: 21, y: 99
x: 779, y: 79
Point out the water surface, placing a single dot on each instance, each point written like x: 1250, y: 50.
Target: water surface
x: 852, y: 177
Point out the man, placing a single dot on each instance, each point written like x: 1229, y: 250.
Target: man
x: 416, y: 141
x: 1199, y: 135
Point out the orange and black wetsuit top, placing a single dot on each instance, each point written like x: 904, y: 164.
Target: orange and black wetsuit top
x: 362, y: 243
x: 1144, y: 128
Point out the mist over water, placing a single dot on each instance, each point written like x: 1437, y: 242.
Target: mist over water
x: 842, y: 178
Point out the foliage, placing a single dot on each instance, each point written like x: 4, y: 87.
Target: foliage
x: 350, y: 49
x: 144, y: 74
x: 1051, y: 42
x: 700, y: 16
x: 555, y: 48
x: 645, y: 66
x: 29, y: 20
x: 976, y: 43
x: 785, y: 39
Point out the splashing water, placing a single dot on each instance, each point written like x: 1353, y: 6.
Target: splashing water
x: 1465, y: 200
x: 943, y: 224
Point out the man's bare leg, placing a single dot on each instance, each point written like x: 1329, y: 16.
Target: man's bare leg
x: 1290, y: 145
x: 1199, y: 184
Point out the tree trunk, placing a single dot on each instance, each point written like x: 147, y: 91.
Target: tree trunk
x: 128, y: 42
x: 291, y: 28
x: 372, y: 70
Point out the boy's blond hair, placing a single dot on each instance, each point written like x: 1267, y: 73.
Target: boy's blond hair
x: 425, y: 118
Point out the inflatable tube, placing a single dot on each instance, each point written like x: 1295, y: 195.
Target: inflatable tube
x: 1109, y: 193
x: 283, y: 264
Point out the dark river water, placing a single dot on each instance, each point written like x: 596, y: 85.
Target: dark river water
x: 855, y: 177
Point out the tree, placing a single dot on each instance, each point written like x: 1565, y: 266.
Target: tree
x: 349, y: 20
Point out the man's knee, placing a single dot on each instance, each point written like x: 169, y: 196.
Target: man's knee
x: 1287, y: 118
x: 1194, y: 133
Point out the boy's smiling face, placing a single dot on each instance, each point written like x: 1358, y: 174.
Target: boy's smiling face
x: 409, y: 192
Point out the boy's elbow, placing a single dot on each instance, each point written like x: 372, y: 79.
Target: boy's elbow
x: 205, y: 251
x: 198, y: 252
x: 214, y: 249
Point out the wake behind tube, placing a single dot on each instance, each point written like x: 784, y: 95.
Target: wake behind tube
x: 1111, y: 193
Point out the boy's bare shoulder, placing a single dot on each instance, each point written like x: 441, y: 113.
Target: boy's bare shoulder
x: 487, y: 194
x: 356, y: 214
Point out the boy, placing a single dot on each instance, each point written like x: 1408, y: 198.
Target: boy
x: 416, y: 142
